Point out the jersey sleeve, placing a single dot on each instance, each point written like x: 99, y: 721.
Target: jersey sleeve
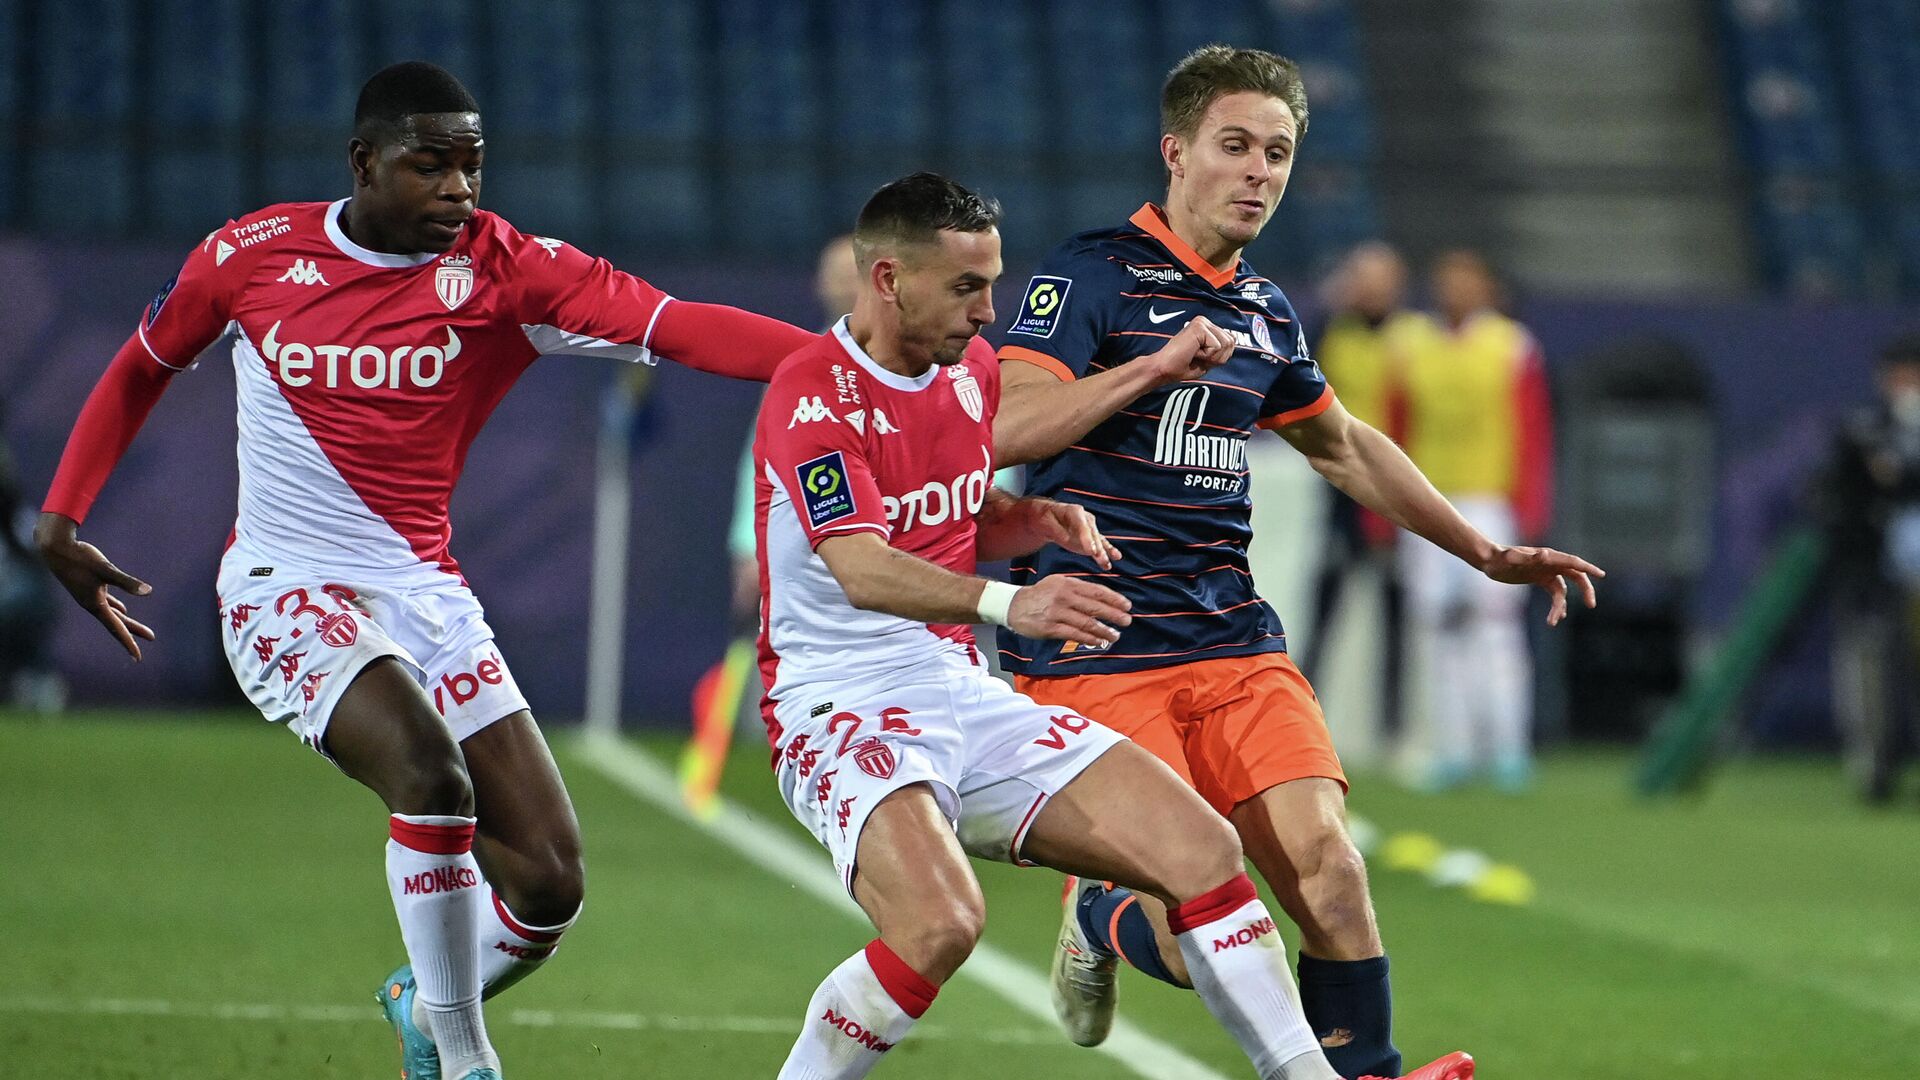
x: 1065, y: 313
x: 819, y: 459
x: 574, y: 303
x: 1300, y: 390
x: 191, y: 311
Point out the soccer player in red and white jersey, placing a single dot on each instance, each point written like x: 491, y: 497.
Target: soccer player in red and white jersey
x: 891, y: 741
x: 373, y: 337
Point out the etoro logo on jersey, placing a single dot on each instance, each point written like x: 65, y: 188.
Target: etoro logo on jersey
x: 935, y: 503
x: 824, y: 489
x: 367, y: 366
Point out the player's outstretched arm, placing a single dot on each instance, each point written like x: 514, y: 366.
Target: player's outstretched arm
x: 878, y: 577
x: 1010, y: 525
x: 725, y: 340
x: 1041, y: 415
x: 1377, y: 474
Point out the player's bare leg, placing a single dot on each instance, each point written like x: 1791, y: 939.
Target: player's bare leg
x: 1188, y: 857
x: 528, y: 847
x: 913, y: 881
x: 385, y: 734
x: 1296, y: 835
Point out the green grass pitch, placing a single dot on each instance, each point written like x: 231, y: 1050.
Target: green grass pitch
x: 200, y: 897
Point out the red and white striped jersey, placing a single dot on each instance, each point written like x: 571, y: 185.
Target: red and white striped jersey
x: 363, y: 376
x: 843, y: 446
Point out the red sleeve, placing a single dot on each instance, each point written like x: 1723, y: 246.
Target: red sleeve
x: 725, y: 340
x: 108, y: 421
x: 1533, y: 415
x: 589, y: 304
x: 192, y: 311
x: 820, y: 460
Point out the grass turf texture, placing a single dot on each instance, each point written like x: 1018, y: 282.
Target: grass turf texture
x: 214, y: 867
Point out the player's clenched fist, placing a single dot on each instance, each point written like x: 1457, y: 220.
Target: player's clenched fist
x: 1199, y: 347
x: 1062, y: 608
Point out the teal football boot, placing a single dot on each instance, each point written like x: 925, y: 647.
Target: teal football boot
x: 419, y: 1060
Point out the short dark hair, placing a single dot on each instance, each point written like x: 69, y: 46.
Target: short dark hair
x: 916, y: 209
x: 406, y: 89
x: 1214, y: 71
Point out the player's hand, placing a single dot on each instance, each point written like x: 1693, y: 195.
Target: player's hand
x: 88, y: 575
x: 1071, y: 527
x: 1062, y: 608
x: 1198, y: 348
x: 1547, y: 568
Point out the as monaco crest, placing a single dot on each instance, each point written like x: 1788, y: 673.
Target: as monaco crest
x: 453, y: 280
x: 967, y: 389
x: 875, y: 758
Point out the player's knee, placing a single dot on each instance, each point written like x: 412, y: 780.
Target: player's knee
x: 435, y: 782
x: 944, y: 935
x: 1209, y: 857
x: 553, y: 893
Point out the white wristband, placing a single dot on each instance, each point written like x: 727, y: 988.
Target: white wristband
x: 995, y: 601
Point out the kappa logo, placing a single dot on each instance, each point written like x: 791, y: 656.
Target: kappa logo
x: 550, y: 244
x: 810, y: 410
x: 263, y: 648
x: 290, y: 666
x: 238, y: 617
x: 304, y: 272
x: 881, y: 425
x: 310, y: 686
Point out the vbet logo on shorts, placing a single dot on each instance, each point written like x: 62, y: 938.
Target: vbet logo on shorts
x: 1040, y: 311
x: 824, y: 488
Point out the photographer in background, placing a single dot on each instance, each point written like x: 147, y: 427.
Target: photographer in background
x: 1870, y: 504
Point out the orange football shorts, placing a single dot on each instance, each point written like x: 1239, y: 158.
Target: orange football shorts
x: 1232, y: 727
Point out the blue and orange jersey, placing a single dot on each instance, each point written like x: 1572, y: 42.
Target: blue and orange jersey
x: 1166, y: 477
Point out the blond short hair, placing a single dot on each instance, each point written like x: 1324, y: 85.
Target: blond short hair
x: 1213, y: 71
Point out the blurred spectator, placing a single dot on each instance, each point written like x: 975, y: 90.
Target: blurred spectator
x: 1359, y: 350
x: 1475, y: 416
x: 1871, y: 505
x: 26, y: 606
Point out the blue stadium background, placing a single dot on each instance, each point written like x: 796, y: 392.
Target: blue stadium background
x: 711, y: 146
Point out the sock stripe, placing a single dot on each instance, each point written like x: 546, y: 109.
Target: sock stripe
x: 543, y: 936
x: 432, y: 839
x: 1113, y: 930
x: 1214, y: 904
x: 909, y: 989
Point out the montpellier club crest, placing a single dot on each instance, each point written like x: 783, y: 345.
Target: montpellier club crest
x: 453, y: 280
x: 967, y: 389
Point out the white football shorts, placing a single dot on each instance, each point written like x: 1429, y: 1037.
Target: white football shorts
x: 296, y: 640
x: 992, y: 756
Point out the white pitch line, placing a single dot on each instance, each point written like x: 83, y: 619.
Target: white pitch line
x: 543, y: 1018
x: 804, y: 866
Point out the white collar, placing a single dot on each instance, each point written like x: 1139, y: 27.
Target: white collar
x: 372, y: 258
x: 887, y: 378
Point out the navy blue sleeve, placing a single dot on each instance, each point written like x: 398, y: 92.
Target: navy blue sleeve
x: 1066, y: 312
x: 1300, y: 389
